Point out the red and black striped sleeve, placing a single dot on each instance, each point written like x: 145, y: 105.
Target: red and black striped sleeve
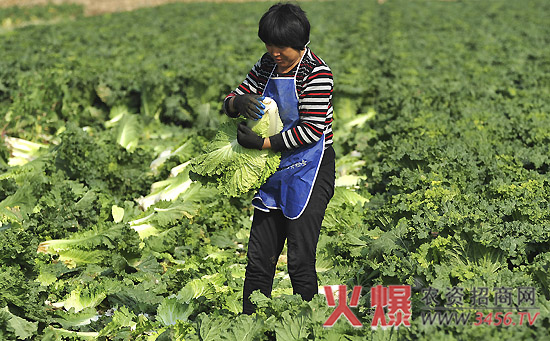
x: 315, y: 85
x: 254, y: 82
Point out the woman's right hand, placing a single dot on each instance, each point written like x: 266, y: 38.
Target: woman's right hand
x: 249, y: 106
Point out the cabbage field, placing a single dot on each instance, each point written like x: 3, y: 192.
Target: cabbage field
x: 442, y: 135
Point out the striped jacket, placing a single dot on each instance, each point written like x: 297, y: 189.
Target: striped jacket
x: 314, y: 84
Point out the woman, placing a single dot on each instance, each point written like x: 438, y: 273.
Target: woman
x: 291, y: 204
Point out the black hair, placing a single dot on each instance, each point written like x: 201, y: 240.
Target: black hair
x: 285, y: 25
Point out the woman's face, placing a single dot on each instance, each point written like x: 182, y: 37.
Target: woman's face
x: 285, y: 57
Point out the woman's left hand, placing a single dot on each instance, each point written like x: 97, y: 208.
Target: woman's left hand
x: 248, y: 138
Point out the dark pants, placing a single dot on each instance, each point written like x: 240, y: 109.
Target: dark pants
x: 269, y: 232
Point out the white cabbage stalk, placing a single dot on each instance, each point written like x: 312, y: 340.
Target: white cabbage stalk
x: 360, y: 120
x: 141, y: 220
x: 128, y: 132
x: 117, y: 213
x: 116, y: 114
x: 163, y: 156
x: 178, y: 169
x: 145, y: 230
x: 169, y: 189
x: 80, y: 301
x: 71, y: 333
x: 127, y: 127
x: 168, y: 153
x: 22, y: 151
x: 349, y: 180
x: 55, y: 245
x: 348, y: 171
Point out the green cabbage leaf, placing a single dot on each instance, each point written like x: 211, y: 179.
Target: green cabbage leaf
x: 233, y: 169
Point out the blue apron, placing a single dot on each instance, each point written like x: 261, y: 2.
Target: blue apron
x: 289, y: 188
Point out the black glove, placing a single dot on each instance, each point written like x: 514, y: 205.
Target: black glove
x: 250, y: 106
x: 248, y: 138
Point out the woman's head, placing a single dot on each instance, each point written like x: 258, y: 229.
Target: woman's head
x: 285, y: 25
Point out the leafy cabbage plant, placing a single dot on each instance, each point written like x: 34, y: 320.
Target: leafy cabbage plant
x: 235, y: 170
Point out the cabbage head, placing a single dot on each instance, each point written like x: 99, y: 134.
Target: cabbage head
x: 233, y: 169
x: 270, y: 124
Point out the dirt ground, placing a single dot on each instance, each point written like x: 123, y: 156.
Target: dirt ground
x: 93, y: 7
